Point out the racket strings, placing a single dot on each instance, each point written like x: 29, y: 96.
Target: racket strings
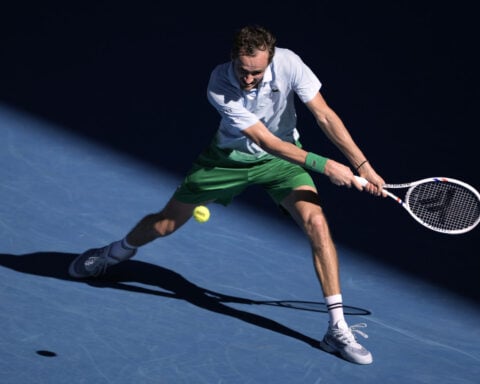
x: 445, y: 206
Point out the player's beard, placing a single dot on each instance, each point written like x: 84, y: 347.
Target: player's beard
x: 250, y: 86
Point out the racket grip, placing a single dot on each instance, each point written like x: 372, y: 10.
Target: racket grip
x: 362, y: 180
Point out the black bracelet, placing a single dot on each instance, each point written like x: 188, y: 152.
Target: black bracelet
x: 362, y: 163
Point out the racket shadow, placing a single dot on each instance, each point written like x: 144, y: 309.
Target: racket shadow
x: 314, y: 306
x: 164, y: 283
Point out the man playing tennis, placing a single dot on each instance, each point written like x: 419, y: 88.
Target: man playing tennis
x: 257, y: 142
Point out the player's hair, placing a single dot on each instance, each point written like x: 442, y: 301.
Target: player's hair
x: 252, y: 38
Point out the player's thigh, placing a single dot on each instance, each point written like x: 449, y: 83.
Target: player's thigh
x: 215, y: 184
x: 280, y: 177
x: 303, y: 204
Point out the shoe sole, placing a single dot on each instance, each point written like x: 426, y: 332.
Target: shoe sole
x: 328, y: 348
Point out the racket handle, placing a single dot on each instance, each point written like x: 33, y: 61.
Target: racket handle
x: 362, y: 180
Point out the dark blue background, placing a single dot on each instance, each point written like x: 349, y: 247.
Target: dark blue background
x: 402, y: 75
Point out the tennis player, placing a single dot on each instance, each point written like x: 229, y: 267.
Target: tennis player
x: 257, y: 142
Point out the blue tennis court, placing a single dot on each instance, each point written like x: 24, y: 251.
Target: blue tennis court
x: 188, y: 309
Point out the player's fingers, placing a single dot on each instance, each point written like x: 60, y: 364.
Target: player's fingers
x: 357, y: 184
x: 373, y: 189
x: 379, y: 191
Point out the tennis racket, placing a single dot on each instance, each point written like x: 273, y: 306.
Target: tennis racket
x: 439, y: 203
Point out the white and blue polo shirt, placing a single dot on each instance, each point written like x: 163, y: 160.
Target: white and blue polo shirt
x: 272, y: 102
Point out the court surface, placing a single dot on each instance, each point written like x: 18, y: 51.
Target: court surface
x: 199, y: 306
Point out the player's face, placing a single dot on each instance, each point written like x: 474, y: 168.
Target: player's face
x: 249, y: 70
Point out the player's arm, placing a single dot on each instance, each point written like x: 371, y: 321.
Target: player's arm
x: 339, y: 174
x: 338, y: 134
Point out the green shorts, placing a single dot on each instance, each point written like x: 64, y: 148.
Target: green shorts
x: 218, y: 175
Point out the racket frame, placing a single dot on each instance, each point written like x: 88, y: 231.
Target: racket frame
x: 410, y: 186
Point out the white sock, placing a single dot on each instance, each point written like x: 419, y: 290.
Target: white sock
x: 335, y: 308
x: 122, y: 250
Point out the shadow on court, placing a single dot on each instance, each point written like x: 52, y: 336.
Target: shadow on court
x: 172, y: 284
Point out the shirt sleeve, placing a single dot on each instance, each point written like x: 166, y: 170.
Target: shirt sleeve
x: 304, y: 82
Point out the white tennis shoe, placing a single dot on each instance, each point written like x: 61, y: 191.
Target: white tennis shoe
x: 340, y: 339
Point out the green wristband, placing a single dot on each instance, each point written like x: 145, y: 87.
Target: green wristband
x: 315, y: 162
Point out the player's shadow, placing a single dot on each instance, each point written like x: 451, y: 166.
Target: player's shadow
x: 126, y: 275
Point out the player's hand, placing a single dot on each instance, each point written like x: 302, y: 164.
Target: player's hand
x: 341, y: 175
x: 375, y: 182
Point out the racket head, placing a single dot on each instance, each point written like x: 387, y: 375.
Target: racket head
x: 444, y: 204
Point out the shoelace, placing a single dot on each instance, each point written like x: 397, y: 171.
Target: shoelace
x: 347, y: 336
x: 354, y: 328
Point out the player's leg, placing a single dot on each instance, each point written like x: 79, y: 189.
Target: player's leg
x: 211, y: 179
x: 302, y: 204
x: 163, y: 223
x: 293, y: 188
x: 95, y: 261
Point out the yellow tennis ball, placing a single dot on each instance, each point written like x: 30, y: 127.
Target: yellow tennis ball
x: 201, y: 214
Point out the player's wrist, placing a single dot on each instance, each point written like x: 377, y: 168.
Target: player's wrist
x: 361, y: 164
x: 315, y: 162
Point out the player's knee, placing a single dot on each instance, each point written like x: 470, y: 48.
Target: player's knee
x: 164, y: 226
x: 159, y: 224
x: 316, y: 222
